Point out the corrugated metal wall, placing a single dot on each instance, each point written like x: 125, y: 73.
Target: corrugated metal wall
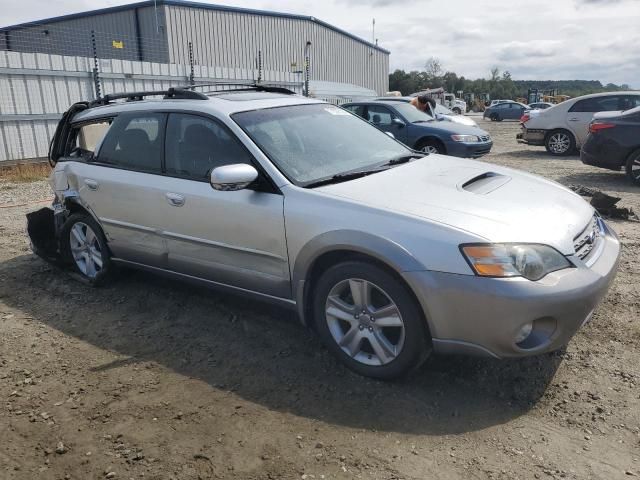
x: 36, y: 88
x: 233, y: 39
x: 134, y: 31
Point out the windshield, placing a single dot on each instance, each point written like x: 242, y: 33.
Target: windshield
x: 411, y: 113
x: 312, y: 142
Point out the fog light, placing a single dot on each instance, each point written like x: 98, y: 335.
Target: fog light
x: 524, y: 332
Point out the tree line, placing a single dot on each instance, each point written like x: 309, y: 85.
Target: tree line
x: 498, y: 85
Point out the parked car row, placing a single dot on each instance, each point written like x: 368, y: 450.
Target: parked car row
x: 388, y: 254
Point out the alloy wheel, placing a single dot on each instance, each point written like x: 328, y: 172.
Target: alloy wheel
x: 635, y: 168
x: 365, y: 322
x: 429, y: 149
x: 559, y: 143
x: 85, y: 249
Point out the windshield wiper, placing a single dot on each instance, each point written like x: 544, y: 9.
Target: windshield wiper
x: 344, y: 177
x: 423, y: 121
x: 402, y: 159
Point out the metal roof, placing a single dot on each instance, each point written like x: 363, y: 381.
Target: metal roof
x: 191, y: 4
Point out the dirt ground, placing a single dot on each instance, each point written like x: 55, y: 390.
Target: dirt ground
x: 149, y: 378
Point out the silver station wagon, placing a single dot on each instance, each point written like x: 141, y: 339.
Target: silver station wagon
x: 387, y: 253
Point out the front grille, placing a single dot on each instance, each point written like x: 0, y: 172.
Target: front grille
x: 485, y: 138
x: 587, y: 241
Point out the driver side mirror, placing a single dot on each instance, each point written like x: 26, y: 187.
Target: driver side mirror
x: 396, y: 121
x: 230, y: 178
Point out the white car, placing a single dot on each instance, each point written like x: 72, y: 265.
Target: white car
x: 563, y: 128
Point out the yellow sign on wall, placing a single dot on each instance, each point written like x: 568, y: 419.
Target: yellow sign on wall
x: 117, y: 44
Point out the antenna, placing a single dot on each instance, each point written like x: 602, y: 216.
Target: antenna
x: 373, y: 32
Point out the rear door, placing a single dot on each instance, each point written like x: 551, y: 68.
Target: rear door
x: 122, y: 185
x: 581, y: 113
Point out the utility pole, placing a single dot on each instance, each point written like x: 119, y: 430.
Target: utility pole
x: 373, y: 32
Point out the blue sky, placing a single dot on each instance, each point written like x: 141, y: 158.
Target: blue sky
x: 542, y: 39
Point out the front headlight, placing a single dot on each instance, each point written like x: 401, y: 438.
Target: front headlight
x: 531, y: 261
x: 465, y: 138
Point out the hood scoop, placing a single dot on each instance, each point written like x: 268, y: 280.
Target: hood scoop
x: 485, y: 183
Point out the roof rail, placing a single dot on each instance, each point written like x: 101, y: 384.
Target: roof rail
x: 173, y: 93
x: 257, y: 87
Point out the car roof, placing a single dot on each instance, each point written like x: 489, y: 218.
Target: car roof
x: 218, y: 104
x: 602, y: 94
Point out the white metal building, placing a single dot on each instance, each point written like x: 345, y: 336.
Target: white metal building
x: 229, y: 37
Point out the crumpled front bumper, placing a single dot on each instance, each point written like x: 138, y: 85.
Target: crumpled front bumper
x: 473, y: 315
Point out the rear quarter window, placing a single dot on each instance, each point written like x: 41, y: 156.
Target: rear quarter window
x: 86, y: 139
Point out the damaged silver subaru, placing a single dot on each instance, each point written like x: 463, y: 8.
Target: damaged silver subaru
x: 387, y: 253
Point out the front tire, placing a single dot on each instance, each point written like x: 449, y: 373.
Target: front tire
x: 560, y: 143
x: 431, y: 145
x: 633, y: 167
x: 370, y: 321
x: 495, y: 117
x: 457, y: 111
x: 83, y: 244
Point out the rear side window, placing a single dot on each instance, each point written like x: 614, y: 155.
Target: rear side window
x: 609, y: 103
x: 134, y: 142
x: 86, y: 139
x: 196, y: 145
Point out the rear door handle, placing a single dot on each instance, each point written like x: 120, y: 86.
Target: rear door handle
x: 92, y: 184
x: 574, y: 119
x: 175, y: 199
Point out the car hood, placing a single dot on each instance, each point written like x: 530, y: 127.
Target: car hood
x: 495, y: 203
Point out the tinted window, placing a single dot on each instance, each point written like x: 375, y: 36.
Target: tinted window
x: 87, y: 138
x: 134, y: 142
x: 196, y: 145
x: 609, y: 103
x: 357, y: 109
x: 379, y: 115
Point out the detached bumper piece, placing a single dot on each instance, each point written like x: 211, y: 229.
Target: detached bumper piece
x: 42, y: 234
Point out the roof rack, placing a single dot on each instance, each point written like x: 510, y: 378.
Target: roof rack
x: 171, y: 93
x: 256, y: 87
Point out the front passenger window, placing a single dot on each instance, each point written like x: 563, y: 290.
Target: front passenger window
x: 196, y: 145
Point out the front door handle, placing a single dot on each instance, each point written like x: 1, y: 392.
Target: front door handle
x: 175, y: 199
x: 91, y: 184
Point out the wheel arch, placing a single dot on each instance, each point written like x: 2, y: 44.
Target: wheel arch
x: 428, y: 137
x: 334, y: 247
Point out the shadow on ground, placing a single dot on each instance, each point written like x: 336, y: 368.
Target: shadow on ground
x: 264, y: 355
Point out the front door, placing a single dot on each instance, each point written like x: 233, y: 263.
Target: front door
x: 231, y: 237
x: 383, y: 118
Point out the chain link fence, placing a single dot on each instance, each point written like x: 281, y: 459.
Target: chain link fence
x: 45, y: 70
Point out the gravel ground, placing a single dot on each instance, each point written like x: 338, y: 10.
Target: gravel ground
x: 150, y: 378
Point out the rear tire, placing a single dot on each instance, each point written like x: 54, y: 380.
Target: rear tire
x: 457, y: 111
x: 370, y: 321
x: 633, y: 167
x: 84, y: 245
x: 560, y: 143
x: 431, y: 145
